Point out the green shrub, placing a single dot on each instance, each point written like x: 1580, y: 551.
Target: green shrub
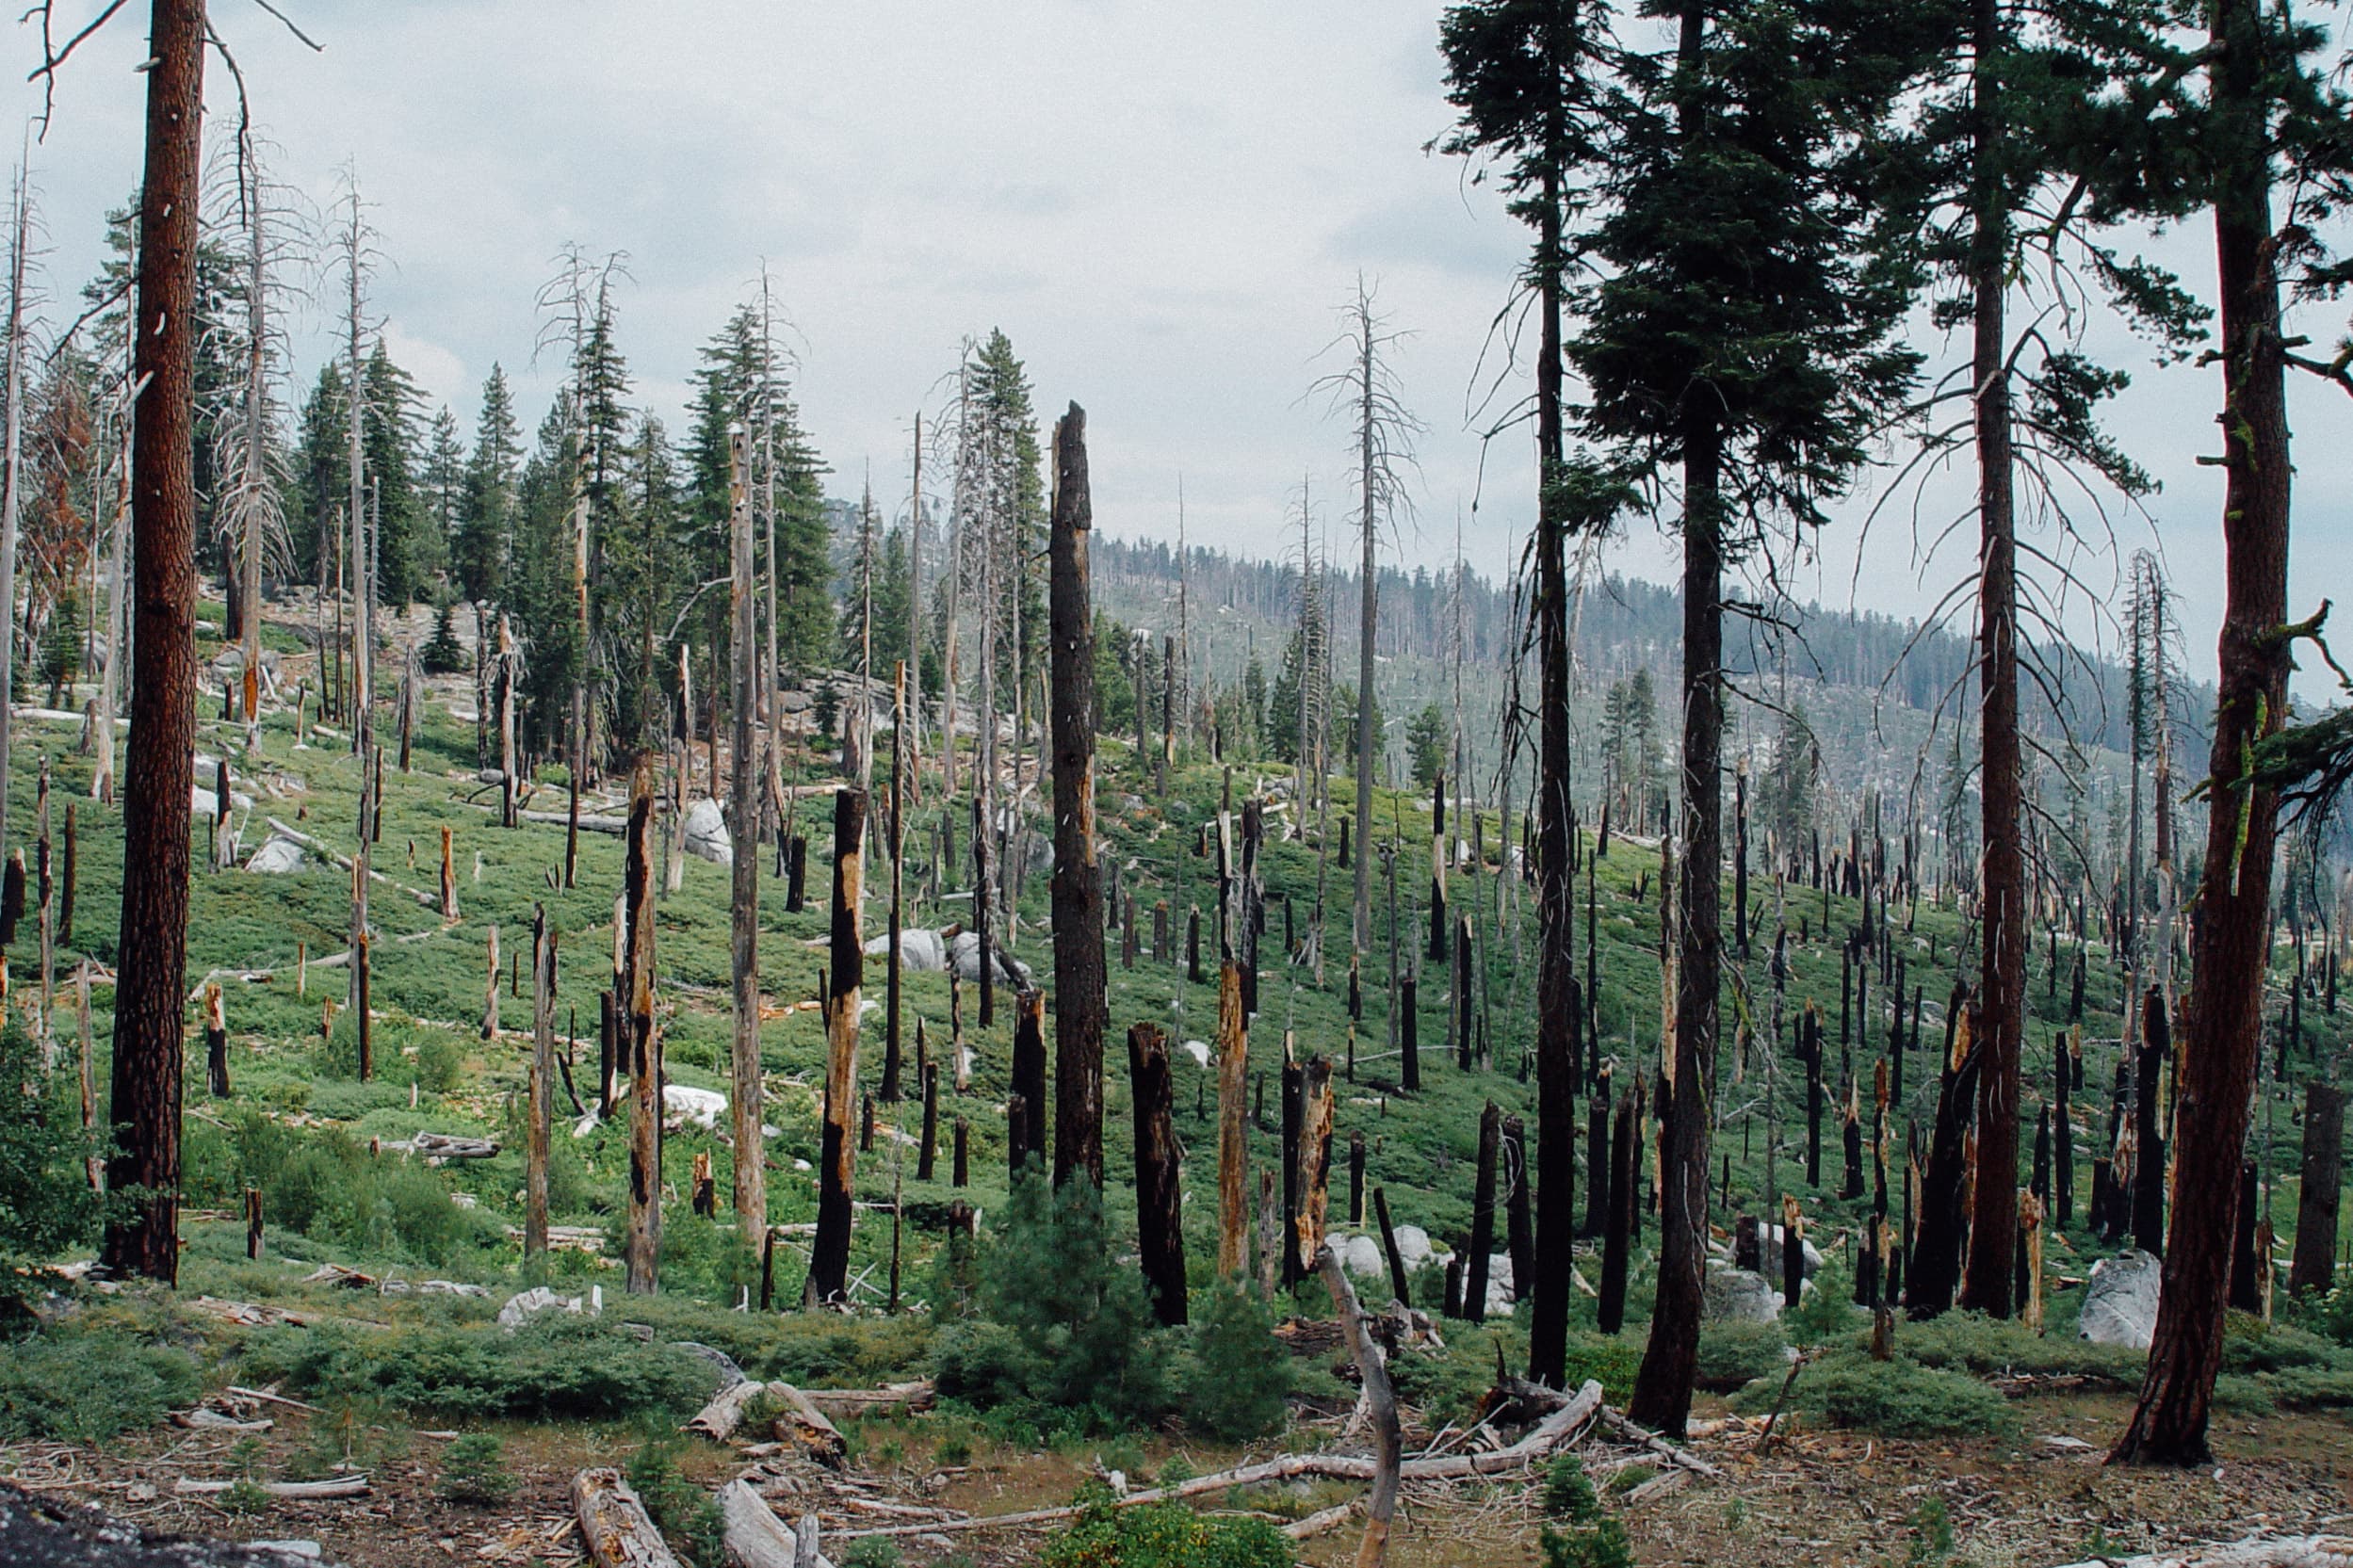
x: 440, y: 1061
x: 1236, y: 1372
x: 1164, y: 1535
x: 1897, y: 1398
x: 1601, y: 1545
x: 2238, y: 1393
x: 1824, y: 1311
x: 2252, y: 1345
x: 1932, y: 1531
x: 685, y: 1513
x: 1062, y: 1323
x: 1991, y: 1347
x: 474, y: 1470
x: 1732, y: 1354
x: 46, y: 1205
x: 873, y: 1551
x: 329, y: 1189
x: 1569, y: 1491
x: 77, y: 1388
x: 245, y: 1495
x: 557, y: 1366
x: 2312, y: 1388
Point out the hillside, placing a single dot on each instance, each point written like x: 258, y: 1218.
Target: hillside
x: 343, y: 1186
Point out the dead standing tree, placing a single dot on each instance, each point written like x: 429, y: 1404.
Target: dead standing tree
x: 640, y: 1039
x: 750, y: 1175
x: 829, y: 1258
x: 1080, y: 1003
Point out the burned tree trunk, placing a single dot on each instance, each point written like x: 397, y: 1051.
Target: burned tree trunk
x: 539, y: 1108
x: 1548, y: 1282
x: 1618, y: 1233
x: 2149, y: 1172
x: 1025, y: 1142
x: 1934, y: 1273
x: 1160, y: 1191
x: 1080, y: 1004
x: 2321, y: 1189
x: 829, y: 1257
x: 1483, y: 1213
x: 640, y: 1041
x: 743, y: 826
x: 1233, y: 1139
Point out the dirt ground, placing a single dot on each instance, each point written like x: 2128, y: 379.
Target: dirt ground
x: 1812, y: 1497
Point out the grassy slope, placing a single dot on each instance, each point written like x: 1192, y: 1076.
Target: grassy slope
x: 428, y: 991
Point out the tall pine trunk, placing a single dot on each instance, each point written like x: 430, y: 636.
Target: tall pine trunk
x: 1662, y: 1388
x: 751, y: 1184
x: 1558, y: 1013
x: 1080, y: 1004
x: 1985, y: 1282
x: 2229, y: 943
x: 151, y: 975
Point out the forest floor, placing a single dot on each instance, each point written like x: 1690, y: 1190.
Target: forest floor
x: 1813, y: 1496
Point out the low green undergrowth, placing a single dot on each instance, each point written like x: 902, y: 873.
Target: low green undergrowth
x: 1896, y: 1398
x: 557, y: 1366
x: 76, y: 1386
x: 1163, y: 1535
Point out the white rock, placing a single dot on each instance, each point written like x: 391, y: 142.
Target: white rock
x: 707, y: 835
x: 527, y: 1305
x: 1739, y: 1296
x: 1361, y: 1256
x: 2121, y: 1300
x: 702, y: 1107
x: 965, y: 952
x: 1413, y: 1245
x: 1500, y: 1296
x: 920, y: 952
x: 278, y: 857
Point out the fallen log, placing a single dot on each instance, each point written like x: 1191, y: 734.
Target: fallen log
x: 318, y: 847
x: 805, y: 1426
x: 1536, y: 1396
x: 719, y: 1419
x: 1554, y: 1432
x: 338, y: 1486
x: 754, y: 1536
x: 613, y: 1523
x: 1316, y: 1523
x: 249, y: 1314
x: 850, y: 1404
x: 2256, y: 1551
x: 212, y: 1420
x: 449, y: 1146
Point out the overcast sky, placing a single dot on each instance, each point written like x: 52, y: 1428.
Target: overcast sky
x: 1162, y: 206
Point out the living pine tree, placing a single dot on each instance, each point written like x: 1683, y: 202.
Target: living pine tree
x: 441, y: 489
x: 2253, y: 133
x: 538, y: 591
x: 482, y: 537
x: 408, y: 549
x: 1426, y: 738
x: 1737, y: 334
x: 1017, y: 507
x: 642, y: 585
x: 2003, y: 217
x: 319, y: 484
